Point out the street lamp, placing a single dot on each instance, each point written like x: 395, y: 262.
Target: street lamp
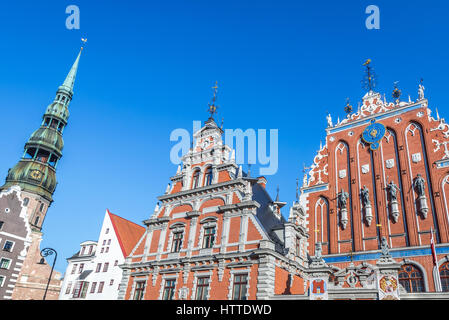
x: 44, y: 253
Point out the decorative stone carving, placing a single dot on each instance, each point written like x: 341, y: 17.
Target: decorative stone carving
x: 416, y: 157
x: 389, y: 163
x: 365, y: 168
x: 342, y: 174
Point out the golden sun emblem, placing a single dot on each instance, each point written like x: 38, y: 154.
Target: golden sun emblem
x: 373, y: 133
x: 36, y: 174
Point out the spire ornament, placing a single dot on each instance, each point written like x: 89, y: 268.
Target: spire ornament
x: 396, y: 92
x: 369, y: 80
x: 212, y: 107
x: 348, y: 108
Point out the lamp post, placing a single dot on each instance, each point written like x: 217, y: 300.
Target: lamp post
x: 44, y: 253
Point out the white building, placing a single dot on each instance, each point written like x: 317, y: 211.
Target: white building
x: 93, y: 273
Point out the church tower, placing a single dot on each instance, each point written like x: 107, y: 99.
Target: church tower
x: 35, y: 173
x: 32, y: 182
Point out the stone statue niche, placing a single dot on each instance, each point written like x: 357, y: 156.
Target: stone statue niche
x: 421, y: 202
x: 342, y: 204
x: 392, y: 190
x: 366, y: 203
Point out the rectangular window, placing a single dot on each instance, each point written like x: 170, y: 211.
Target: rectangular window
x: 8, y: 246
x: 112, y: 282
x: 92, y: 289
x: 106, y: 265
x: 104, y: 242
x: 298, y: 246
x: 2, y: 280
x: 139, y: 290
x: 81, y: 268
x: 240, y: 287
x: 98, y: 267
x: 116, y: 263
x: 107, y: 230
x: 84, y: 288
x: 90, y: 249
x: 69, y: 286
x: 107, y: 249
x: 77, y: 289
x: 4, y: 263
x: 177, y: 241
x: 1, y: 224
x: 100, y: 287
x: 102, y: 250
x: 109, y: 242
x: 201, y: 288
x: 209, y: 237
x: 169, y: 290
x: 74, y: 268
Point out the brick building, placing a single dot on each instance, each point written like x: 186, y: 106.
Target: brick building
x: 381, y: 181
x: 26, y: 197
x: 216, y: 234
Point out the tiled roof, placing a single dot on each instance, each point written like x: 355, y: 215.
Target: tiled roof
x: 128, y: 233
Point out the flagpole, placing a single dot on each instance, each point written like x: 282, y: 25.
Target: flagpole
x: 436, y: 271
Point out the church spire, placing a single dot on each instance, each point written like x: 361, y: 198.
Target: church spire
x: 36, y: 170
x: 69, y: 81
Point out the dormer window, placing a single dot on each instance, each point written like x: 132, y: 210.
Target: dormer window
x: 82, y: 250
x: 208, y: 176
x: 196, y: 179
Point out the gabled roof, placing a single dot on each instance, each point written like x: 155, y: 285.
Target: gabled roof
x: 128, y: 233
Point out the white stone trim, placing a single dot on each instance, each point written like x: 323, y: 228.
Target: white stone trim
x: 233, y: 272
x: 200, y: 274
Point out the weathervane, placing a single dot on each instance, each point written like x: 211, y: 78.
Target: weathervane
x: 369, y: 81
x: 212, y: 107
x: 348, y: 108
x: 84, y: 40
x: 396, y: 92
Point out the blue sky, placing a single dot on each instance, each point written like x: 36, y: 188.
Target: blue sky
x: 148, y: 69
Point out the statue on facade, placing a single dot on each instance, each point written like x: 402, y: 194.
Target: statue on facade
x: 384, y: 247
x: 318, y: 251
x: 421, y: 91
x: 419, y: 184
x: 342, y: 199
x: 392, y: 190
x: 329, y: 120
x: 365, y: 196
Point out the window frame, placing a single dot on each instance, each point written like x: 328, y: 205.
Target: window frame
x: 139, y: 289
x: 202, y: 289
x: 169, y: 291
x: 12, y: 245
x: 240, y: 284
x: 413, y: 282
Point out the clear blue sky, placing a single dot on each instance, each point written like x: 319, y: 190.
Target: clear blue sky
x: 148, y: 68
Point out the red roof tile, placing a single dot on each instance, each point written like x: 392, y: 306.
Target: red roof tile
x: 128, y: 233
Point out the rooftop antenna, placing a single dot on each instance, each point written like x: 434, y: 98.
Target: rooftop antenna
x: 369, y: 81
x: 212, y: 107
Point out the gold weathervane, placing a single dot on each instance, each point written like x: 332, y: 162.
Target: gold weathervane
x: 84, y: 40
x: 212, y: 107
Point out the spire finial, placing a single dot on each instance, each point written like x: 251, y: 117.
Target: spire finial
x: 297, y: 190
x: 396, y: 92
x: 348, y: 107
x: 212, y: 107
x: 69, y: 81
x: 277, y: 193
x: 369, y: 81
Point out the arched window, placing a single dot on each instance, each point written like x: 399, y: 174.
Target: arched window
x: 208, y: 176
x: 444, y: 275
x: 411, y: 278
x: 26, y: 201
x: 36, y: 221
x: 196, y: 179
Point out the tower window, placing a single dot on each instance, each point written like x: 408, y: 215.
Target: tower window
x: 41, y: 209
x: 196, y: 179
x: 36, y: 221
x: 53, y: 160
x: 42, y: 155
x: 54, y: 124
x: 208, y: 177
x: 26, y: 201
x: 46, y: 121
x: 30, y: 153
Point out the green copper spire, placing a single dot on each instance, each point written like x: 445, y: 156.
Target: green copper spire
x: 36, y: 171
